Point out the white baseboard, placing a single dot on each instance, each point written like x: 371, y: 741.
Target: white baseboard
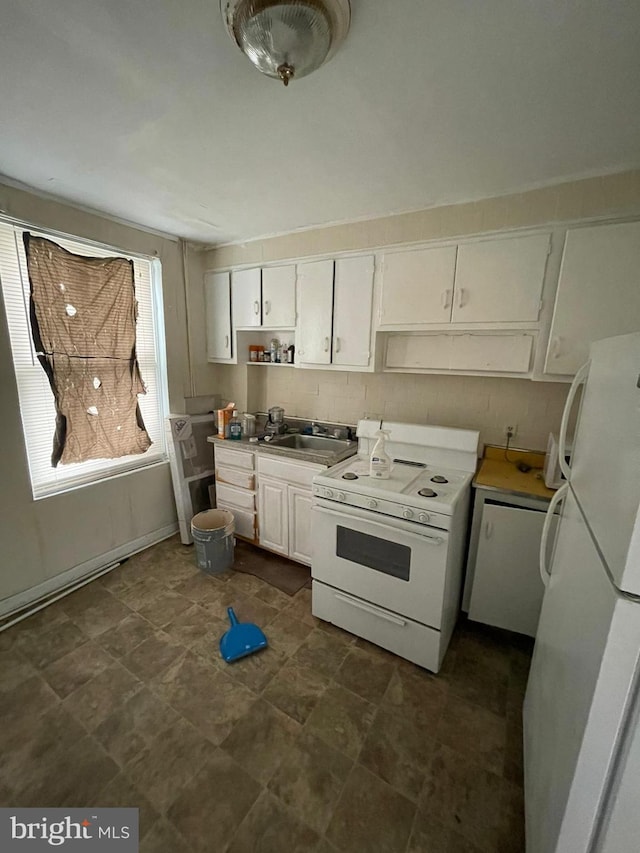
x: 66, y: 581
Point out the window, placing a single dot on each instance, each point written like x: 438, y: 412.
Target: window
x: 36, y: 399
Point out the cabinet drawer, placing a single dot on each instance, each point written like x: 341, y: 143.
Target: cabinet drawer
x: 235, y: 458
x: 296, y: 473
x: 400, y: 635
x: 245, y: 522
x: 235, y: 477
x: 240, y: 498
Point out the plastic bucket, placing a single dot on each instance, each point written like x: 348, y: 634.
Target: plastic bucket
x: 212, y: 533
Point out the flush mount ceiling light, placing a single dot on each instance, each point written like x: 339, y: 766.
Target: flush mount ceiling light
x: 287, y: 38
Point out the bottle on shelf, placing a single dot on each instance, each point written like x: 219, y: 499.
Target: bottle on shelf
x: 274, y: 346
x: 235, y: 427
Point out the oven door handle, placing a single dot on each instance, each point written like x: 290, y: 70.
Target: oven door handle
x: 343, y: 516
x: 369, y: 608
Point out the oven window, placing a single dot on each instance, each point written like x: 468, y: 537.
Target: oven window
x: 379, y: 554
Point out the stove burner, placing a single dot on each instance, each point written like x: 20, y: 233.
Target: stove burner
x: 427, y: 493
x: 439, y: 479
x: 349, y: 476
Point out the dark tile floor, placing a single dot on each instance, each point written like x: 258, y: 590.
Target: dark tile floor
x: 116, y: 695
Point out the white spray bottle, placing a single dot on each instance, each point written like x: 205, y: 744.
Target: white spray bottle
x: 380, y: 462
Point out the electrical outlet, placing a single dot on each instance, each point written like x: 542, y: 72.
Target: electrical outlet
x: 510, y: 431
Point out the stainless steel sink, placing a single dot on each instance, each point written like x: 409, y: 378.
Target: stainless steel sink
x: 311, y: 442
x: 310, y: 448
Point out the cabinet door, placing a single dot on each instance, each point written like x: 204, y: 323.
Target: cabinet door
x: 500, y: 280
x: 491, y: 353
x: 245, y: 298
x: 218, y: 309
x: 507, y: 589
x: 417, y: 286
x: 353, y: 294
x: 272, y: 515
x: 598, y: 293
x: 315, y: 308
x: 300, y: 524
x: 279, y: 297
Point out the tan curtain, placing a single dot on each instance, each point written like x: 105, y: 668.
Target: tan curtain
x: 83, y: 322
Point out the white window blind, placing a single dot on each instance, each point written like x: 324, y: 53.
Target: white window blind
x: 36, y: 398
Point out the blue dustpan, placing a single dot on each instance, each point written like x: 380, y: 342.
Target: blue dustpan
x: 242, y: 639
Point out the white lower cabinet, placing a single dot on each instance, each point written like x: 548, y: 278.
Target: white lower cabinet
x: 235, y: 487
x: 503, y: 586
x: 284, y: 506
x: 299, y: 524
x: 272, y: 515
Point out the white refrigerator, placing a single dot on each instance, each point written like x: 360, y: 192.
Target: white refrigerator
x: 582, y: 706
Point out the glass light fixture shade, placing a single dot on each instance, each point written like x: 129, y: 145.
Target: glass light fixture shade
x: 287, y: 38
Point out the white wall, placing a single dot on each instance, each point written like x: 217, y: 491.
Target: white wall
x: 42, y: 541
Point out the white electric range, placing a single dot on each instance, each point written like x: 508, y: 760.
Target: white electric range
x: 387, y: 554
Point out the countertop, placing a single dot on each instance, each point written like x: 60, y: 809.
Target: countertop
x: 499, y: 474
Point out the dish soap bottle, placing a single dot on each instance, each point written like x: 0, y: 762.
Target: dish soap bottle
x: 380, y: 463
x: 235, y: 427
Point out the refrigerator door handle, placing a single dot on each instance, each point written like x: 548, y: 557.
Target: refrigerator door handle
x: 579, y: 379
x: 555, y: 500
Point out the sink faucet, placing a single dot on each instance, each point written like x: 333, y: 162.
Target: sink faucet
x: 316, y: 429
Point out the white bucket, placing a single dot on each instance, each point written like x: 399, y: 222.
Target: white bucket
x: 212, y: 532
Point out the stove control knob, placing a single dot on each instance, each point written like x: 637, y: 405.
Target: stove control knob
x: 341, y: 496
x: 372, y: 504
x: 407, y: 513
x: 424, y: 517
x: 328, y: 493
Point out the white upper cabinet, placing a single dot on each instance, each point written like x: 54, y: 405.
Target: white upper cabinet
x: 417, y: 286
x: 598, y: 293
x: 334, y: 322
x: 218, y: 311
x: 264, y: 297
x: 315, y: 301
x: 246, y: 298
x: 488, y: 281
x: 279, y: 296
x: 352, y: 300
x: 500, y: 281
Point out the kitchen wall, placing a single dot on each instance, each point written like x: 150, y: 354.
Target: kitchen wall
x: 486, y: 404
x: 461, y: 401
x: 46, y: 542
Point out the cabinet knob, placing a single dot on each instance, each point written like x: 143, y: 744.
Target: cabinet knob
x: 256, y: 307
x: 337, y: 340
x: 326, y: 344
x: 488, y: 530
x: 267, y: 306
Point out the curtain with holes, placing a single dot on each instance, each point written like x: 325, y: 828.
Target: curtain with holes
x: 83, y: 322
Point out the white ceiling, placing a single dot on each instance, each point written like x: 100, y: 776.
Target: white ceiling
x: 147, y: 110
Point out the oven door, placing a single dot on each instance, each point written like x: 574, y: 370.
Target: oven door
x: 395, y: 564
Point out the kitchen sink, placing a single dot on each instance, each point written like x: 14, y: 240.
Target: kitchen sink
x: 312, y: 442
x: 310, y: 448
